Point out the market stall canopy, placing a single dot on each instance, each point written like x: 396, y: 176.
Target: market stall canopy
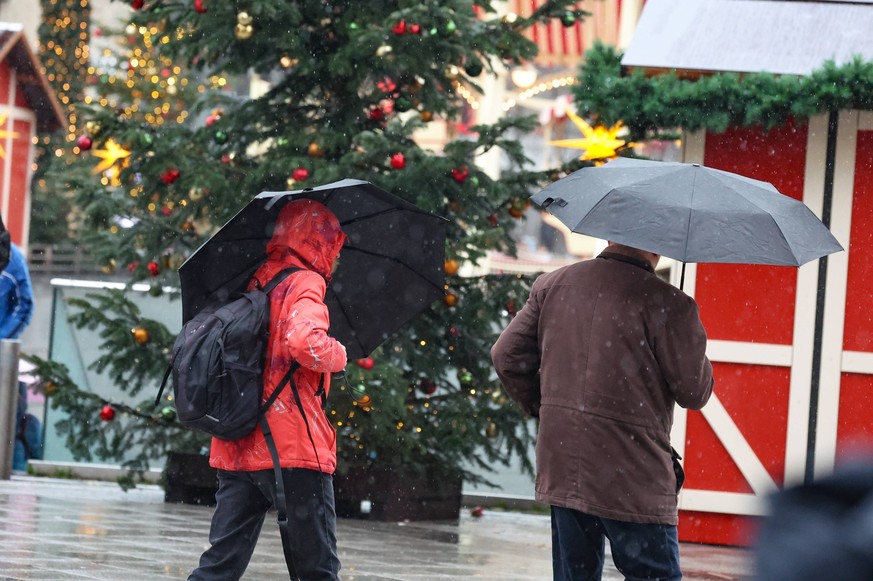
x: 16, y: 53
x: 747, y: 36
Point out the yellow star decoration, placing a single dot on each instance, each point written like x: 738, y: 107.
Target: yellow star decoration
x: 5, y: 134
x: 110, y: 156
x: 598, y: 142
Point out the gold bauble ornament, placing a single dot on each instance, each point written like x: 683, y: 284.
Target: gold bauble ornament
x: 451, y: 266
x: 451, y: 299
x: 452, y: 72
x: 49, y: 388
x: 141, y: 336
x: 287, y: 62
x: 491, y: 430
x: 244, y: 18
x: 315, y: 150
x: 195, y: 194
x: 109, y: 267
x: 426, y: 116
x: 243, y: 31
x: 93, y: 128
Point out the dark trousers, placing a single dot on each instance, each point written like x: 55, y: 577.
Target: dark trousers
x: 243, y: 499
x: 640, y: 551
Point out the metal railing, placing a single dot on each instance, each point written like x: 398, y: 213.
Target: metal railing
x: 59, y: 259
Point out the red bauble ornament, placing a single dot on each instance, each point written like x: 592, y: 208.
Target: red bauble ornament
x: 166, y: 210
x: 84, y: 142
x: 477, y: 512
x: 137, y: 4
x: 170, y: 176
x: 460, y: 174
x: 212, y: 119
x: 398, y: 161
x: 132, y: 266
x: 427, y: 386
x: 414, y: 29
x: 399, y: 28
x: 366, y: 363
x: 493, y: 220
x: 376, y: 114
x: 107, y: 414
x: 226, y: 158
x: 153, y: 268
x: 300, y: 174
x: 200, y: 6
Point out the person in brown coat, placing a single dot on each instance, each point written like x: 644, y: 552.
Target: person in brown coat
x: 600, y: 353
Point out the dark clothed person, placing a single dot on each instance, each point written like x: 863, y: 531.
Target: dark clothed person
x: 601, y: 352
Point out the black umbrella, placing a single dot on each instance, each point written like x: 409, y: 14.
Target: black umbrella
x: 392, y: 263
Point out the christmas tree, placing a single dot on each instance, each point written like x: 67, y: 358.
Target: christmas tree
x: 64, y: 35
x: 347, y: 89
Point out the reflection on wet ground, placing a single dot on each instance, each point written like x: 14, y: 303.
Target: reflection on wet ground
x: 58, y: 530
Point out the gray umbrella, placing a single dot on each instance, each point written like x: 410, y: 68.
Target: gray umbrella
x: 688, y: 212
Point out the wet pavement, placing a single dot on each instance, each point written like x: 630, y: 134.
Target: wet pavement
x: 53, y: 529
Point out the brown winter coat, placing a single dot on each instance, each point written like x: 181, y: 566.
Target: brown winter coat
x: 600, y: 352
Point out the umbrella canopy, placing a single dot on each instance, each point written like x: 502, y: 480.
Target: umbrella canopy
x: 688, y: 212
x: 392, y: 264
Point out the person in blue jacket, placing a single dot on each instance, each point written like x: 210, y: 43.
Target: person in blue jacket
x: 16, y: 296
x: 16, y: 309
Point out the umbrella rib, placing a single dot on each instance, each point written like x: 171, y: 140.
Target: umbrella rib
x: 690, y: 212
x: 398, y: 261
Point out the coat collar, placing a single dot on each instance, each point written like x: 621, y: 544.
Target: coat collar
x: 644, y: 264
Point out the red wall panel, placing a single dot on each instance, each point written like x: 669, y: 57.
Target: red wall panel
x: 18, y: 191
x: 5, y: 75
x: 717, y: 529
x: 858, y: 332
x: 855, y: 423
x: 745, y: 302
x: 756, y: 398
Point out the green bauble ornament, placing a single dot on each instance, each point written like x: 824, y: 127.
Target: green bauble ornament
x: 282, y: 141
x: 353, y: 26
x: 449, y: 28
x: 220, y: 137
x: 147, y: 139
x: 568, y: 19
x: 465, y: 377
x: 155, y: 289
x: 168, y: 413
x: 402, y: 104
x: 474, y: 181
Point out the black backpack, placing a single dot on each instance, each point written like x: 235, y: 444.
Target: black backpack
x: 217, y: 366
x: 218, y: 363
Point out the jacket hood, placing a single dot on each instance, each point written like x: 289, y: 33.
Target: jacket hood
x: 306, y: 234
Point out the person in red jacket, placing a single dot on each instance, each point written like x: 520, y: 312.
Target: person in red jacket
x: 307, y: 235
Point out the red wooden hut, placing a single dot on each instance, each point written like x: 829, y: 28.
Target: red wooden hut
x: 792, y: 348
x: 27, y: 105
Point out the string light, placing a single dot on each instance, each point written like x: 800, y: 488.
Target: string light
x: 541, y: 87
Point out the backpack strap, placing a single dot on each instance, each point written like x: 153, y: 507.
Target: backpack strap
x: 281, y: 502
x: 280, y: 276
x: 164, y: 383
